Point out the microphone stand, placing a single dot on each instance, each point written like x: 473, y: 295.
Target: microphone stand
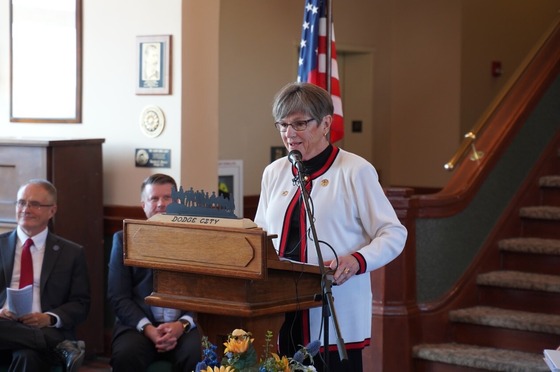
x: 326, y: 284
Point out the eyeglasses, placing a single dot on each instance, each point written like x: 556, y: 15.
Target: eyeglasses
x: 298, y: 125
x: 31, y: 204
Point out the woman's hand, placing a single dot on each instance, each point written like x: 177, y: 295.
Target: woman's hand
x: 348, y: 266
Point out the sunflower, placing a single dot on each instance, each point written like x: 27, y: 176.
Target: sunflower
x: 219, y: 369
x: 238, y: 342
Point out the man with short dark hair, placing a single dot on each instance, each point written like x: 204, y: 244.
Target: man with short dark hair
x: 144, y: 333
x: 56, y: 269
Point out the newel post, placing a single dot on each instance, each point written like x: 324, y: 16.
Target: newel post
x: 395, y: 310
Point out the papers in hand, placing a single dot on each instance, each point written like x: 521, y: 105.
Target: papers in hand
x: 552, y: 359
x: 20, y: 301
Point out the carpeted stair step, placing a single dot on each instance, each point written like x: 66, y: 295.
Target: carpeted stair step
x: 520, y: 280
x: 544, y: 212
x: 540, y: 221
x: 518, y: 290
x: 549, y: 181
x: 531, y: 245
x: 537, y: 255
x: 550, y: 190
x: 486, y: 358
x: 505, y: 318
x: 497, y: 327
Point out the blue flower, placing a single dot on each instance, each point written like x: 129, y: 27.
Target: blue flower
x: 200, y: 366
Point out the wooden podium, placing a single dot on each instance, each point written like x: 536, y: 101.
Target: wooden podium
x: 231, y: 277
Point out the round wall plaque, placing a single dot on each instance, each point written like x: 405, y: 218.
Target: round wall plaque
x: 152, y: 121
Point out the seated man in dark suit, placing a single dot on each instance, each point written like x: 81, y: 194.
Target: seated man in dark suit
x: 144, y: 333
x: 56, y: 269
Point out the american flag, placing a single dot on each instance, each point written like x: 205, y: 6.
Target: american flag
x: 312, y: 59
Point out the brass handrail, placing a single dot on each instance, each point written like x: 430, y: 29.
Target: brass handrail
x: 470, y: 137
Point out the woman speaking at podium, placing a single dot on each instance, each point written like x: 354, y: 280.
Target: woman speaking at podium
x: 355, y: 223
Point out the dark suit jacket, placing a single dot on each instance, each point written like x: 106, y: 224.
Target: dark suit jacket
x: 127, y: 288
x: 64, y: 283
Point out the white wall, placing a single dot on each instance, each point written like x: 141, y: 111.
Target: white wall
x: 425, y: 86
x: 503, y: 32
x: 200, y: 87
x: 258, y: 55
x: 111, y: 109
x: 230, y: 57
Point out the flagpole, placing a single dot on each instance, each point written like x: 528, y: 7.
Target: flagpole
x: 328, y: 305
x: 328, y: 62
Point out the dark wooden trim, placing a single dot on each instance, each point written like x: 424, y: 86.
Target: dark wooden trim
x: 113, y: 216
x: 399, y: 321
x: 418, y: 190
x: 250, y: 203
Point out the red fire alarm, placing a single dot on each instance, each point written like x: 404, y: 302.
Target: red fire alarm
x: 496, y: 68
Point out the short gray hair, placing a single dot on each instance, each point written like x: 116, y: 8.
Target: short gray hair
x: 304, y: 98
x: 46, y: 185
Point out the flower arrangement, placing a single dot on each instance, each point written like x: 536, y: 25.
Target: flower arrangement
x: 240, y: 356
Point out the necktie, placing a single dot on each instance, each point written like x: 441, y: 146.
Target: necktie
x: 26, y: 269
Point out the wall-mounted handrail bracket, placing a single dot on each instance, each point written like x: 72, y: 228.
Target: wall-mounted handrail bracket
x: 476, y: 155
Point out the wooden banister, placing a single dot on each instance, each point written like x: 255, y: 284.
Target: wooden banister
x: 500, y: 123
x: 399, y: 322
x: 484, y: 121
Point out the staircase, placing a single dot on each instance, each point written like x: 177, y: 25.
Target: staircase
x: 517, y: 314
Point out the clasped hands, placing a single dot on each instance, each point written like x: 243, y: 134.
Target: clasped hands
x: 165, y: 335
x: 37, y: 320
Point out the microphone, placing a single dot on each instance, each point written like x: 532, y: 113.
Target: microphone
x: 295, y: 158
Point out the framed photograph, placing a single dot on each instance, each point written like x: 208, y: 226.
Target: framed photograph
x: 277, y: 152
x: 230, y: 183
x: 153, y: 65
